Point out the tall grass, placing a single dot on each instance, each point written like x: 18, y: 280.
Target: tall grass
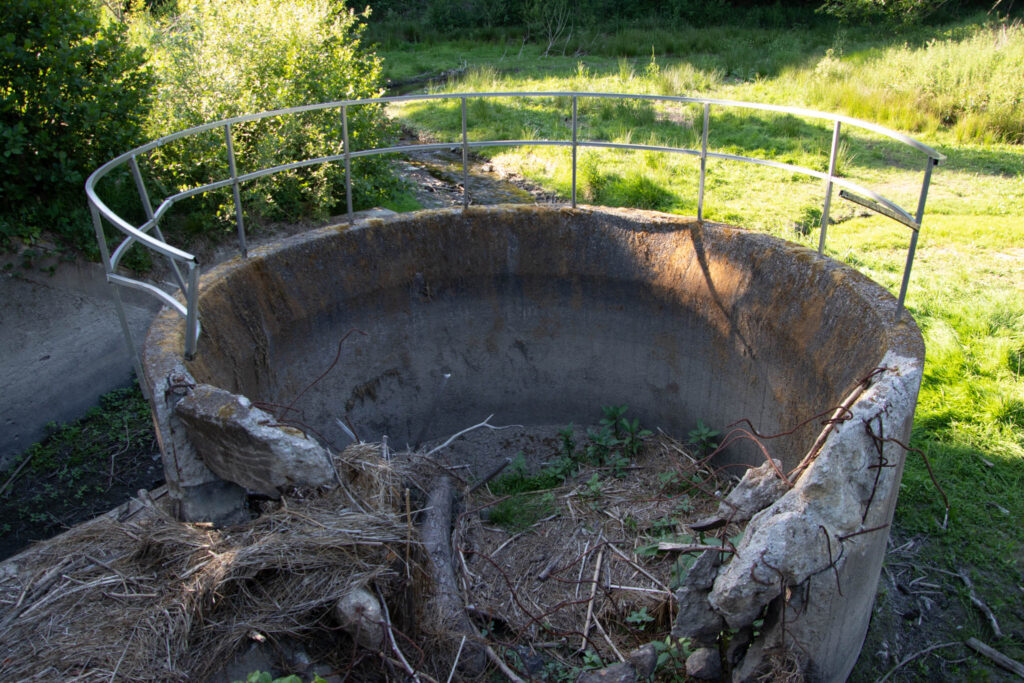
x: 972, y: 85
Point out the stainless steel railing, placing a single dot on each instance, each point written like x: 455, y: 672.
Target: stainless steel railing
x: 188, y: 282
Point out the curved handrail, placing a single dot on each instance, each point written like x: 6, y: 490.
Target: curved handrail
x: 189, y: 285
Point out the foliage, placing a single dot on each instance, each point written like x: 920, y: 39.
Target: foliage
x: 672, y: 654
x: 73, y: 94
x: 894, y: 11
x: 639, y: 618
x: 968, y: 81
x: 217, y: 59
x: 704, y: 437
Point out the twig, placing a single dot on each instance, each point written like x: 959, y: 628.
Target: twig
x: 14, y: 476
x: 909, y: 658
x: 597, y: 622
x: 996, y: 656
x: 590, y: 601
x: 509, y: 673
x: 640, y: 569
x: 330, y: 367
x: 976, y: 601
x: 639, y: 589
x: 456, y: 435
x: 583, y: 564
x: 391, y: 637
x: 690, y: 547
x: 457, y: 655
x: 844, y: 408
x: 408, y: 538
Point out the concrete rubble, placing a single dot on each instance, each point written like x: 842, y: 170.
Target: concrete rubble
x: 247, y: 446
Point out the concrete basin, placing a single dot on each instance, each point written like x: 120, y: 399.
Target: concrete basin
x: 540, y: 316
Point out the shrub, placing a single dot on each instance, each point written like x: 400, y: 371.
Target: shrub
x: 220, y: 58
x: 73, y: 94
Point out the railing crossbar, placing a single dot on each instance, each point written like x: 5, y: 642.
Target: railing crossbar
x: 188, y: 283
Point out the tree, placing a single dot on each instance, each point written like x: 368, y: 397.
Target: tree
x: 221, y: 58
x: 73, y: 94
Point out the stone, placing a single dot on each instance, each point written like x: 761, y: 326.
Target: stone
x: 644, y: 660
x: 696, y: 618
x: 704, y: 570
x: 623, y: 672
x: 245, y: 445
x: 359, y: 613
x: 221, y: 503
x: 759, y: 488
x: 705, y: 664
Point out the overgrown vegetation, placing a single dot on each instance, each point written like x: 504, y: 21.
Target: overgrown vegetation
x: 612, y: 445
x: 214, y: 60
x: 73, y: 94
x: 84, y: 81
x: 82, y: 469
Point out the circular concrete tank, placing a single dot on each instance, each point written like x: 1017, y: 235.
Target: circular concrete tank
x: 541, y: 315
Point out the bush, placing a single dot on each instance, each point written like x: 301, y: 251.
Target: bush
x: 73, y: 94
x: 220, y: 58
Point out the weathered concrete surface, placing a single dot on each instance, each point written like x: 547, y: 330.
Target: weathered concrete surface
x: 247, y: 446
x: 541, y: 314
x: 819, y: 548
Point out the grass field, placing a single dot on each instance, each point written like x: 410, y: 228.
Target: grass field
x: 959, y: 89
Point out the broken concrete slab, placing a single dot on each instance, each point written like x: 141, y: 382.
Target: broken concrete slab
x: 248, y: 446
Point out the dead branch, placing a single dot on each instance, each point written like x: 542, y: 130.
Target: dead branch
x: 590, y: 601
x: 976, y: 601
x: 458, y: 654
x: 837, y: 417
x: 669, y: 546
x: 436, y: 535
x: 498, y: 469
x: 996, y: 656
x: 485, y: 423
x: 640, y: 569
x: 500, y: 663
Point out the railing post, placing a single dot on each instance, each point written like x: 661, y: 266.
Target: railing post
x: 465, y: 160
x: 914, y: 234
x: 574, y: 148
x: 703, y: 162
x: 828, y: 188
x: 234, y: 188
x: 147, y: 205
x: 348, y: 163
x: 192, y: 311
x: 129, y: 338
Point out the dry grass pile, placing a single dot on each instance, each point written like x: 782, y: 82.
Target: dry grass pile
x: 581, y: 566
x: 152, y: 599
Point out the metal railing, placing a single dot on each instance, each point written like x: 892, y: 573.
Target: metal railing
x: 188, y: 282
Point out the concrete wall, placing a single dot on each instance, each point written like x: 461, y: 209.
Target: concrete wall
x: 542, y: 315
